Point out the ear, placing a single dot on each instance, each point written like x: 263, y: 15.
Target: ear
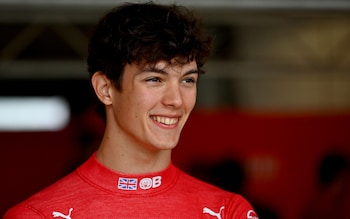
x: 102, y: 86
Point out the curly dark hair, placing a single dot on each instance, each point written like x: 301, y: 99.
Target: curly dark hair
x: 145, y: 33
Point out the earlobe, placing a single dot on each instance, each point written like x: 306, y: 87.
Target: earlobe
x: 102, y: 86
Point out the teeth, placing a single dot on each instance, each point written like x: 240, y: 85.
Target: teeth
x: 165, y: 120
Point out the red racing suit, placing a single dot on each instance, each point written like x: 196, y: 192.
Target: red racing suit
x: 94, y: 191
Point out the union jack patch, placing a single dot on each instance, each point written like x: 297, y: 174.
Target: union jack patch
x: 127, y: 183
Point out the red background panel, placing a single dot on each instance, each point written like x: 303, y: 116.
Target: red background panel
x: 279, y: 153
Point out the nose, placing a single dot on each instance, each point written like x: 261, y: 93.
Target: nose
x: 172, y: 96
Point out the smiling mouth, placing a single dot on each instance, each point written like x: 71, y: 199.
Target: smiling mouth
x: 165, y: 120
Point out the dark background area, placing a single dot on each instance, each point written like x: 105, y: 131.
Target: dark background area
x: 273, y: 105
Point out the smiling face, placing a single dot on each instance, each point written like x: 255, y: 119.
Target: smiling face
x: 154, y: 104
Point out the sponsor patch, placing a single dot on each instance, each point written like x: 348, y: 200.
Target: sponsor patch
x: 252, y: 215
x: 127, y: 183
x: 132, y: 184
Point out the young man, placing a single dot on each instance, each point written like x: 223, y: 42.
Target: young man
x: 144, y: 62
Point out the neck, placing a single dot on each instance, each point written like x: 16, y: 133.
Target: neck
x: 127, y: 159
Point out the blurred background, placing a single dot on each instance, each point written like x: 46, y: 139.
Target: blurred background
x: 272, y: 120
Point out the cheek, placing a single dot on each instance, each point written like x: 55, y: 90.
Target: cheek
x: 191, y: 99
x: 142, y: 101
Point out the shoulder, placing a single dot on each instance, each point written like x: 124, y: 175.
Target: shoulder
x: 193, y: 185
x: 22, y: 211
x: 211, y: 197
x: 53, y: 195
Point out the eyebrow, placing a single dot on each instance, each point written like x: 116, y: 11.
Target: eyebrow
x: 161, y: 71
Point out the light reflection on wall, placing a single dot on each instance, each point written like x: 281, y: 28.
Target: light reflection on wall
x: 33, y: 113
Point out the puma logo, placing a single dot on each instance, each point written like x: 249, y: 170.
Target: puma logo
x: 212, y: 213
x: 59, y: 214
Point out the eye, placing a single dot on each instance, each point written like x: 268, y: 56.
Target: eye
x: 190, y: 80
x: 153, y: 79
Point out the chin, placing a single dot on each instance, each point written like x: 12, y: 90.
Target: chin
x: 165, y: 145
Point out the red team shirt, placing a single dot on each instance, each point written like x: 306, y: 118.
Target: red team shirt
x: 94, y: 191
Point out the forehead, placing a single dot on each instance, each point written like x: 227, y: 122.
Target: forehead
x: 173, y: 65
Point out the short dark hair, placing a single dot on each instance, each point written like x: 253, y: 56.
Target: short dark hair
x: 145, y: 33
